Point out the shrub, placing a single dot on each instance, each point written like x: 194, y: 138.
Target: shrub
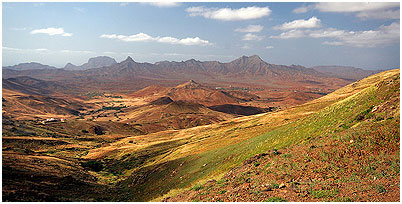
x: 93, y: 165
x: 275, y: 199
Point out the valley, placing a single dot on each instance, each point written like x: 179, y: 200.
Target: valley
x: 179, y: 131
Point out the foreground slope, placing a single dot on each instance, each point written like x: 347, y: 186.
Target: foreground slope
x: 81, y: 160
x: 154, y: 165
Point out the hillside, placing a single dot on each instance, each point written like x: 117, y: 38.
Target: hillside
x: 199, y: 153
x: 356, y: 161
x: 194, y: 92
x: 29, y: 85
x: 127, y: 165
x: 22, y: 106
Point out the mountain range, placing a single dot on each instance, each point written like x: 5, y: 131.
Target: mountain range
x: 127, y: 75
x: 252, y: 66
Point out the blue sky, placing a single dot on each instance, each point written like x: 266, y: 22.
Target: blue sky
x: 357, y: 34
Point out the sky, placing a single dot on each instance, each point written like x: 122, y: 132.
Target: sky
x: 364, y: 35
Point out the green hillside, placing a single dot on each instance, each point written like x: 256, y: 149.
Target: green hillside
x: 181, y: 159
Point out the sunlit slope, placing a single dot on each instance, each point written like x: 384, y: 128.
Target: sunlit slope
x: 357, y: 160
x: 152, y: 165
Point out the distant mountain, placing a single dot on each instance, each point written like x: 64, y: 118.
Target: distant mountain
x: 29, y: 66
x: 345, y: 72
x: 128, y: 74
x: 96, y: 62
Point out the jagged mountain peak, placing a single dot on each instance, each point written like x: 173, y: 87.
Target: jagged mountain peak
x: 189, y: 84
x: 128, y: 59
x: 249, y: 59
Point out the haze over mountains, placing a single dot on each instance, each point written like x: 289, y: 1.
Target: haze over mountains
x: 94, y: 62
x: 243, y: 66
x: 252, y: 67
x: 288, y: 85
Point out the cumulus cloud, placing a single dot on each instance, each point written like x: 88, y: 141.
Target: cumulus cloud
x: 252, y: 37
x: 228, y: 14
x: 124, y: 4
x: 246, y: 47
x: 384, y: 35
x: 142, y: 37
x: 363, y: 10
x: 41, y: 50
x: 313, y: 22
x: 52, y: 31
x: 344, y: 7
x: 290, y: 34
x: 163, y: 4
x: 250, y: 29
x: 77, y: 51
x: 332, y: 43
x: 303, y: 9
x: 17, y: 29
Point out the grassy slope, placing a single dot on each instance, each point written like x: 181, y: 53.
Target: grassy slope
x: 350, y: 153
x: 179, y: 159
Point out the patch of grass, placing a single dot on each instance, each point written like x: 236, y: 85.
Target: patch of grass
x: 222, y: 191
x: 342, y: 199
x: 256, y: 164
x: 275, y: 185
x: 324, y: 193
x: 197, y: 187
x: 276, y: 199
x: 380, y: 188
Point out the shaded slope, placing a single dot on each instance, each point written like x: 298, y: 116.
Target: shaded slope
x: 25, y: 106
x: 29, y: 85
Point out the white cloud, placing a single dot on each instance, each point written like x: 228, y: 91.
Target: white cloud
x: 336, y: 43
x: 246, y: 47
x: 252, y: 37
x: 17, y: 29
x: 327, y: 33
x: 142, y: 37
x: 124, y: 3
x: 382, y: 14
x: 313, y: 22
x: 163, y: 4
x: 345, y: 7
x: 363, y: 10
x: 52, y: 31
x: 290, y: 34
x: 77, y: 51
x: 41, y: 50
x: 384, y: 35
x: 269, y: 47
x: 79, y: 9
x: 303, y: 9
x: 250, y: 29
x: 228, y: 14
x: 11, y: 49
